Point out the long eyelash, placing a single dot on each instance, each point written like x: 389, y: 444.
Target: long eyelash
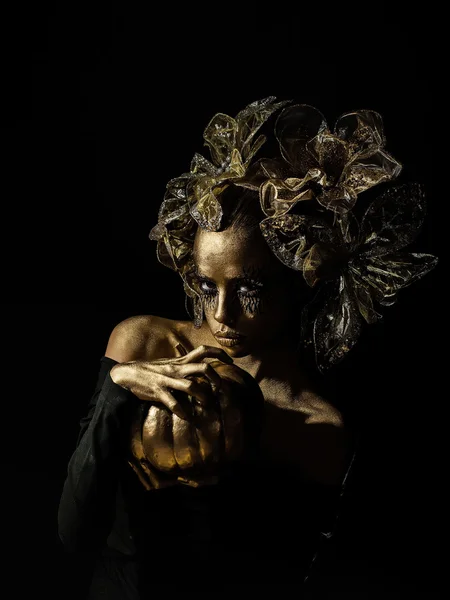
x: 250, y: 302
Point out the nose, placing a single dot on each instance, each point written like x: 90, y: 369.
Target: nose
x: 225, y: 309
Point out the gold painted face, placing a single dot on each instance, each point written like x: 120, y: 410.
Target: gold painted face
x: 249, y: 297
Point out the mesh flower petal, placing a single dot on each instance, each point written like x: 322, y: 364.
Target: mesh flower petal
x: 262, y: 170
x: 294, y: 128
x: 208, y: 212
x: 291, y: 237
x: 351, y: 160
x: 236, y: 167
x: 202, y: 166
x: 331, y: 153
x: 337, y: 327
x: 362, y: 130
x: 258, y: 109
x: 364, y: 301
x: 157, y: 232
x: 349, y: 228
x: 357, y: 261
x: 174, y: 208
x: 249, y: 121
x: 181, y: 250
x: 316, y: 260
x: 393, y: 220
x: 173, y: 215
x: 223, y: 133
x: 249, y: 151
x: 172, y: 212
x: 176, y: 188
x: 363, y: 173
x: 385, y: 275
x: 220, y: 137
x: 340, y: 198
x: 191, y: 290
x: 278, y: 196
x: 164, y: 254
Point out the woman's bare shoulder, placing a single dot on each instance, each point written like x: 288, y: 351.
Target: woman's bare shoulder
x: 318, y: 410
x: 148, y: 337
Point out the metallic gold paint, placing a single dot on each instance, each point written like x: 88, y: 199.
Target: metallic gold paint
x: 309, y: 193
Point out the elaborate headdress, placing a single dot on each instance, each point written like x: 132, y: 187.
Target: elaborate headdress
x: 308, y: 193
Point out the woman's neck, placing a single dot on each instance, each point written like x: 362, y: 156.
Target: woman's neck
x: 276, y: 363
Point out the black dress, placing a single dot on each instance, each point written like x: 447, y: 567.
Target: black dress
x: 209, y: 540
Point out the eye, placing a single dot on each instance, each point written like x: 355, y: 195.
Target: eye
x: 243, y: 289
x: 248, y: 290
x: 206, y: 287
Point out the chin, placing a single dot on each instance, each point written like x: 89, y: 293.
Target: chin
x: 236, y: 351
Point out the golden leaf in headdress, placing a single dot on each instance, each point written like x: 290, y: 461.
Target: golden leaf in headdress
x: 358, y: 265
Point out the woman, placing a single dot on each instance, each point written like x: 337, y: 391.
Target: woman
x: 151, y: 491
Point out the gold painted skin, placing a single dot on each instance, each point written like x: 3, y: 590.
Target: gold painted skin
x: 301, y: 429
x: 167, y: 449
x: 307, y: 192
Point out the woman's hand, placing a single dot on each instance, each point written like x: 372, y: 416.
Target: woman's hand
x: 167, y: 450
x: 155, y: 380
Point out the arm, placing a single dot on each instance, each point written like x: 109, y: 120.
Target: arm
x: 87, y: 505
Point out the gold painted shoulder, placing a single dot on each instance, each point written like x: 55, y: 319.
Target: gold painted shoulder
x: 136, y: 338
x: 149, y: 337
x: 317, y: 410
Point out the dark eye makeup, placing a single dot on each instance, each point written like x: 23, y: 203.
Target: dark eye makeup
x: 247, y: 289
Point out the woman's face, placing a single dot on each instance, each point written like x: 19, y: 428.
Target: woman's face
x: 246, y: 291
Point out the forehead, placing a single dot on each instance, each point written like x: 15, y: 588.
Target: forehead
x: 229, y: 251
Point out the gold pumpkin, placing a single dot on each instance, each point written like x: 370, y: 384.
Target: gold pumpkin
x: 167, y: 450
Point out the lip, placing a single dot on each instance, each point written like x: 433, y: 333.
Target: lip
x: 229, y: 335
x: 229, y: 340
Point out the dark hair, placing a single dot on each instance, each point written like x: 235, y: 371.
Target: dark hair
x: 241, y: 208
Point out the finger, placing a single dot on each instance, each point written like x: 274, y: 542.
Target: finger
x: 191, y: 369
x: 198, y: 354
x: 166, y: 398
x: 200, y: 391
x: 202, y: 352
x: 179, y: 371
x: 210, y: 373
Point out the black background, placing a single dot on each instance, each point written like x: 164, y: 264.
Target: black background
x: 104, y: 104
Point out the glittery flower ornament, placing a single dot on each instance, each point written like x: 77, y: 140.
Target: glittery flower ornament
x: 232, y: 145
x: 193, y: 199
x: 354, y: 263
x: 333, y: 167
